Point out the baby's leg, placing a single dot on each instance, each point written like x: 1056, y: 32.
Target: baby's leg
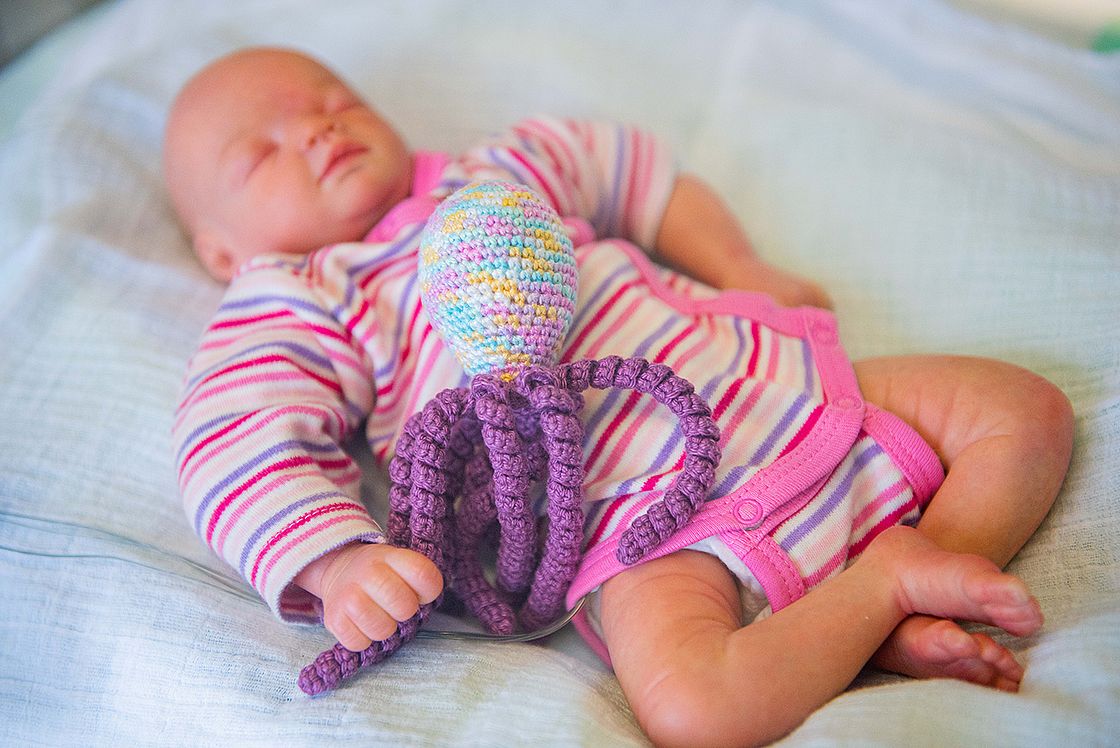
x: 1005, y: 436
x: 695, y: 676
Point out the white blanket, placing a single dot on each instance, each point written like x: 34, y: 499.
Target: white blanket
x: 955, y: 183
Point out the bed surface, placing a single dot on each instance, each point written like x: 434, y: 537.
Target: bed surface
x: 953, y: 181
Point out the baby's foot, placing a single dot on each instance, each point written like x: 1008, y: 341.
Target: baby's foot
x: 926, y: 647
x: 955, y: 585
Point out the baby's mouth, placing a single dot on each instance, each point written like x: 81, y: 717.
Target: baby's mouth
x: 339, y: 156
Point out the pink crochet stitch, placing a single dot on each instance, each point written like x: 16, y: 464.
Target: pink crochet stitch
x: 498, y: 274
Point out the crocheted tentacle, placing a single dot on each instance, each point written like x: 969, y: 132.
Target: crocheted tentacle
x: 475, y: 516
x: 702, y: 453
x: 420, y: 512
x: 431, y: 458
x: 400, y: 477
x: 336, y: 664
x: 557, y: 410
x: 517, y: 545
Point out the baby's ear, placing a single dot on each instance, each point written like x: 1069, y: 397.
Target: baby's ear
x: 215, y: 255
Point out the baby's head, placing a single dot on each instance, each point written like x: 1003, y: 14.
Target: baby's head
x: 268, y: 151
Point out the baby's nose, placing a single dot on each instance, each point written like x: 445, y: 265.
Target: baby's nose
x: 312, y: 129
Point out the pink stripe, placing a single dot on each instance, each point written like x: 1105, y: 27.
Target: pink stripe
x: 803, y: 432
x: 639, y: 180
x: 741, y: 413
x: 423, y: 376
x: 727, y: 398
x: 752, y: 365
x: 259, y: 361
x: 562, y: 163
x: 830, y: 565
x: 216, y: 435
x: 608, y: 335
x: 294, y: 542
x: 397, y: 381
x: 543, y: 183
x: 600, y: 313
x: 889, y: 521
x: 242, y: 321
x: 257, y: 379
x: 247, y: 504
x: 390, y: 269
x: 774, y: 355
x: 291, y: 462
x: 403, y: 377
x: 613, y: 508
x: 210, y: 344
x: 889, y: 494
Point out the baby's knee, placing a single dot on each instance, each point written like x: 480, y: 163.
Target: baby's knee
x: 698, y: 709
x: 678, y: 711
x: 1042, y: 415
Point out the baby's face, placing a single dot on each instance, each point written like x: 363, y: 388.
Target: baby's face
x: 267, y: 151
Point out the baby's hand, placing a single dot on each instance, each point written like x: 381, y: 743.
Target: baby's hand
x: 367, y: 589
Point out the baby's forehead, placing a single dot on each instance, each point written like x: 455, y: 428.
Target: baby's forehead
x: 265, y: 82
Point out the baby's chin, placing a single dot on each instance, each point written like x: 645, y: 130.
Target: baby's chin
x: 364, y: 207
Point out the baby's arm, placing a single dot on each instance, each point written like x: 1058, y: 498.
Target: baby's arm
x: 700, y: 237
x: 623, y: 180
x: 273, y: 392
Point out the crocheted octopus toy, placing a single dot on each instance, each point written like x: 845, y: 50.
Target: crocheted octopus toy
x: 498, y: 279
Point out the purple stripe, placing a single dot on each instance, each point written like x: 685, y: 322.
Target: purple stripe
x: 811, y: 522
x: 673, y: 445
x: 616, y: 188
x: 794, y: 412
x: 592, y: 304
x: 608, y: 406
x: 405, y: 243
x: 807, y: 362
x: 285, y: 301
x: 401, y: 319
x: 203, y: 431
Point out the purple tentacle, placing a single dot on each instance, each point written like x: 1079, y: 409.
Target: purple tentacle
x: 517, y: 546
x: 338, y: 663
x: 475, y: 516
x: 400, y: 470
x: 419, y: 521
x: 562, y: 430
x: 431, y: 462
x: 702, y: 453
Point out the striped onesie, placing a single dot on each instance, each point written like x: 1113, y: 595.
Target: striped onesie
x: 304, y: 350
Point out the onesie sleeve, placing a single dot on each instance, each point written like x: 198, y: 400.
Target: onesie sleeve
x: 615, y: 176
x: 269, y: 398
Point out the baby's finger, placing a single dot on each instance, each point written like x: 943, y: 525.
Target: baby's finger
x: 418, y: 572
x: 392, y: 594
x: 370, y: 617
x: 347, y: 633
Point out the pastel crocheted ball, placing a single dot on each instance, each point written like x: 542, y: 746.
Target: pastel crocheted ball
x: 498, y: 278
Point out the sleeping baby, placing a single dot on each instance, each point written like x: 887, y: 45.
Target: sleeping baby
x: 859, y: 509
